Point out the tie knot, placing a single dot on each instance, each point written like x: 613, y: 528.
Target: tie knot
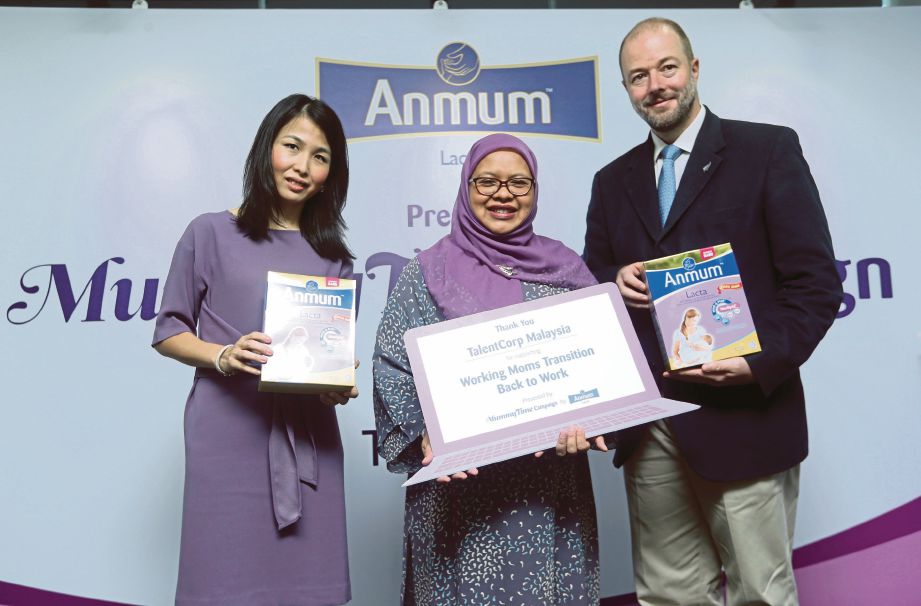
x: 670, y: 152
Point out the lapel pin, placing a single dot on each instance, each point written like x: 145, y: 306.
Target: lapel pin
x: 707, y: 166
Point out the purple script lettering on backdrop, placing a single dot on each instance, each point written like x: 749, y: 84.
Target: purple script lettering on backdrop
x: 58, y: 275
x: 381, y: 259
x: 375, y: 456
x: 396, y: 263
x: 884, y: 271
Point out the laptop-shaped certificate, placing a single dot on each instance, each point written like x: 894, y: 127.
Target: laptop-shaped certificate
x: 503, y: 383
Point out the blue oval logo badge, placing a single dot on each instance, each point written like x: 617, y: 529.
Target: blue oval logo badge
x: 688, y: 264
x: 458, y: 64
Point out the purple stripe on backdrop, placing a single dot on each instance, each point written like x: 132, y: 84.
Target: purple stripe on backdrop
x: 894, y: 527
x: 620, y: 600
x: 891, y: 526
x: 899, y: 522
x: 880, y: 574
x: 885, y: 575
x: 20, y: 595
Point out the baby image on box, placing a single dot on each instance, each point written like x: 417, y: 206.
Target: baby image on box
x: 691, y: 343
x: 293, y: 357
x: 699, y: 307
x: 311, y: 320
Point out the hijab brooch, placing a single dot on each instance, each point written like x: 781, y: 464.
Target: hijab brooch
x: 507, y: 270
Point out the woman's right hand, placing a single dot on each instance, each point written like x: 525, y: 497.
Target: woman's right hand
x: 427, y: 457
x: 252, y: 347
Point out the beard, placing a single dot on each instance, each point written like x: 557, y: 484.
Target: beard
x: 669, y: 120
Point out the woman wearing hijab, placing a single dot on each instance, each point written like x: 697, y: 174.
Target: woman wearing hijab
x: 521, y: 531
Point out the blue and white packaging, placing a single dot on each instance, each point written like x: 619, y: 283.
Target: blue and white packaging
x: 699, y: 307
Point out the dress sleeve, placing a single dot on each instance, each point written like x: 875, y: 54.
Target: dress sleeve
x: 397, y: 412
x: 347, y: 270
x: 183, y: 292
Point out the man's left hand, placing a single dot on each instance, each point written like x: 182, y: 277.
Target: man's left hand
x: 731, y: 371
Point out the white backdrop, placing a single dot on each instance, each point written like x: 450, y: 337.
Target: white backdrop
x: 118, y: 127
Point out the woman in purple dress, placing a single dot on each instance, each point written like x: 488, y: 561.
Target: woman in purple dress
x: 263, y: 519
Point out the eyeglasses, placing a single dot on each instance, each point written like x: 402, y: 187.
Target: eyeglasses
x: 489, y: 186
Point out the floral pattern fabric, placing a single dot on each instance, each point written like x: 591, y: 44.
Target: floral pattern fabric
x: 522, y: 532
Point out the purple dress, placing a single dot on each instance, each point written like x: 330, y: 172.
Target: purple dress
x: 255, y: 462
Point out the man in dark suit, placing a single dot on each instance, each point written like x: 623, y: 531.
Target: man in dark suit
x: 714, y: 490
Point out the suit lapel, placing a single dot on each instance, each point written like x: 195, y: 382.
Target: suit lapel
x: 640, y: 183
x: 702, y: 165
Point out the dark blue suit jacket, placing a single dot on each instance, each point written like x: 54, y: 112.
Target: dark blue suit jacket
x: 747, y: 184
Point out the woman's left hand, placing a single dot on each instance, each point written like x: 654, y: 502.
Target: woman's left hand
x: 428, y: 456
x: 333, y: 398
x: 573, y: 441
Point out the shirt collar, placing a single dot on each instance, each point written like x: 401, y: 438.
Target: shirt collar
x: 685, y: 140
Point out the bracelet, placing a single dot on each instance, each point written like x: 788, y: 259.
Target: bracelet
x: 217, y: 362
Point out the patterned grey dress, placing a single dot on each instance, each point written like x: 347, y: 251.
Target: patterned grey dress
x: 522, y: 532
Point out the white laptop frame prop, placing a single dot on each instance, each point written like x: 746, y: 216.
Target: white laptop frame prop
x: 604, y: 372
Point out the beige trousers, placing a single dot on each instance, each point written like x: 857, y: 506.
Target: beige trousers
x: 688, y: 531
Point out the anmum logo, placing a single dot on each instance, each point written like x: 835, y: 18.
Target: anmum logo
x: 457, y: 93
x: 458, y: 64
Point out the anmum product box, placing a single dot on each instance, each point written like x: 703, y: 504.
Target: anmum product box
x: 699, y: 307
x: 311, y: 320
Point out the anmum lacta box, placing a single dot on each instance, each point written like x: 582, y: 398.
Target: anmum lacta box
x: 311, y: 320
x: 699, y: 307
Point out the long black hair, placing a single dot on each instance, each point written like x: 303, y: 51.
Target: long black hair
x: 321, y: 219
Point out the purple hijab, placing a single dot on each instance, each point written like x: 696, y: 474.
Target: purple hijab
x: 462, y: 270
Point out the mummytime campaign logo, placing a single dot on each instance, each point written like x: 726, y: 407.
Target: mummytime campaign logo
x: 457, y: 93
